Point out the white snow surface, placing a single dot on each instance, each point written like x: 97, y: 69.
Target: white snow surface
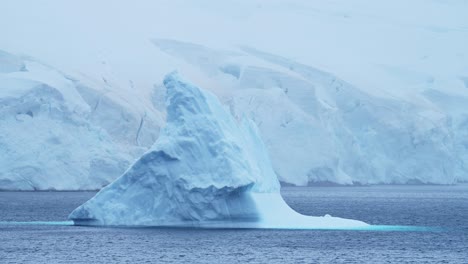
x: 59, y: 133
x: 342, y: 91
x: 206, y: 169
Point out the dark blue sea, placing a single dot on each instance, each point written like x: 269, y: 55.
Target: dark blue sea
x: 443, y: 207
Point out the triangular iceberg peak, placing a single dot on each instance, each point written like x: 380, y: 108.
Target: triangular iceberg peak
x: 205, y: 170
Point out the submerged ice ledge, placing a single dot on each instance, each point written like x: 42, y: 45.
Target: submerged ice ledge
x: 34, y: 223
x: 241, y: 225
x: 207, y: 169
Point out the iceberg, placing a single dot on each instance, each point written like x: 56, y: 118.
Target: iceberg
x: 207, y: 169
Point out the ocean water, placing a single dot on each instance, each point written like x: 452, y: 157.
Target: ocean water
x: 442, y: 207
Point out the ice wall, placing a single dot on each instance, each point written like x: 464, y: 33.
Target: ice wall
x: 342, y: 92
x: 60, y: 133
x: 321, y: 129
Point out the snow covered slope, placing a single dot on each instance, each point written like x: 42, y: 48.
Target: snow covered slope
x: 342, y: 91
x: 206, y: 169
x: 59, y: 133
x: 320, y: 128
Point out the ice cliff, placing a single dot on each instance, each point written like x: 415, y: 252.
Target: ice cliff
x: 355, y: 92
x: 61, y: 133
x: 320, y: 129
x: 206, y: 169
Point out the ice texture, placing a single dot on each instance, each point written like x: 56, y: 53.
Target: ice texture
x: 206, y: 169
x: 321, y: 129
x: 58, y: 133
x: 355, y: 92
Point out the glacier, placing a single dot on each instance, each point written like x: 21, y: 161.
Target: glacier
x: 347, y: 92
x: 320, y: 128
x: 207, y: 169
x: 58, y: 133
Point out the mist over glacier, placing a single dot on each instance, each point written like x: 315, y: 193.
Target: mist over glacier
x: 343, y: 92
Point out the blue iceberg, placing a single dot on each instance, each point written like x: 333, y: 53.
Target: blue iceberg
x: 207, y: 169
